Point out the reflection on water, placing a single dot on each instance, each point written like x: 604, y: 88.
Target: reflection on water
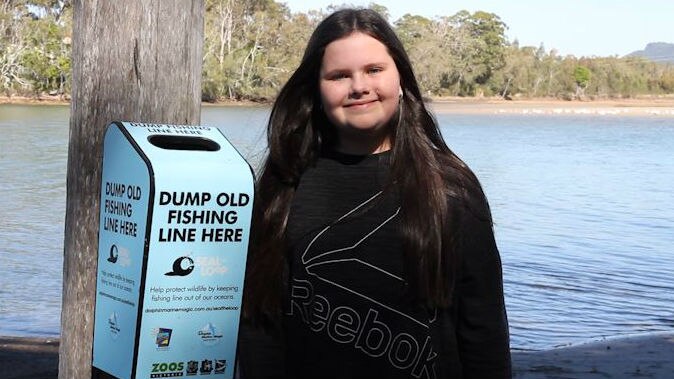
x: 582, y: 209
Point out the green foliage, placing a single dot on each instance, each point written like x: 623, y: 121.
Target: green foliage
x: 251, y: 47
x: 46, y: 60
x: 454, y: 55
x: 666, y: 81
x: 36, y: 54
x: 582, y: 76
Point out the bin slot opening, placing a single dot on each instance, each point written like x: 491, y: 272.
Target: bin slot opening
x: 183, y: 143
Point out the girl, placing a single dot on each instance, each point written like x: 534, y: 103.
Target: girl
x: 372, y: 251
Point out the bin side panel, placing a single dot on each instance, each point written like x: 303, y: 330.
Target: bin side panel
x: 125, y: 193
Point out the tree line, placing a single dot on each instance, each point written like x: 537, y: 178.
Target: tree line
x: 251, y: 47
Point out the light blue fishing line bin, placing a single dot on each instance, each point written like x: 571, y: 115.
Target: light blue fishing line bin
x: 176, y: 204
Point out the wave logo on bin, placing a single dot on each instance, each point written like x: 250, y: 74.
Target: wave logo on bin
x: 207, y: 266
x: 182, y: 266
x: 119, y: 254
x: 114, y: 254
x: 210, y: 335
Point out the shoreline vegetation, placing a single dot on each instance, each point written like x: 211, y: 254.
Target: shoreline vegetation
x: 250, y: 48
x: 640, y: 106
x: 644, y: 355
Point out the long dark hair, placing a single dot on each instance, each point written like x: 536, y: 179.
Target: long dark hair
x: 428, y: 177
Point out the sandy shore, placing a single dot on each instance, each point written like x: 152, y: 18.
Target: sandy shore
x: 643, y: 356
x: 662, y: 106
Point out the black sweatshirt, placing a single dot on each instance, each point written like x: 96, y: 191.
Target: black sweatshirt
x: 349, y: 313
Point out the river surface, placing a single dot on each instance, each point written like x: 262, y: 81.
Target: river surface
x: 583, y: 208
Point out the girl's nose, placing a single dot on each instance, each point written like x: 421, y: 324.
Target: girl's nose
x: 359, y: 86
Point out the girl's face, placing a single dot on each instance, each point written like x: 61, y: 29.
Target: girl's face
x: 360, y: 89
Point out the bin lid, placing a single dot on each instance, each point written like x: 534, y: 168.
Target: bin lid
x: 182, y: 143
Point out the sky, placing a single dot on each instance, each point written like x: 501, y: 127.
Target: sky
x: 577, y: 27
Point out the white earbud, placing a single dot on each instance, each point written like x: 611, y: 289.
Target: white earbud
x: 400, y: 93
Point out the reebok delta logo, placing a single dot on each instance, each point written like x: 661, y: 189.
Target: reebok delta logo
x: 365, y: 329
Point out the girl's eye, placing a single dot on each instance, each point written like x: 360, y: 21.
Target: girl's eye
x: 374, y: 70
x: 338, y: 76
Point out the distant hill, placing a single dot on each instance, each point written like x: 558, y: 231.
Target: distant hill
x: 660, y: 52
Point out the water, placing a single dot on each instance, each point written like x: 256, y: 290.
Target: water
x: 584, y: 220
x: 33, y: 155
x: 582, y: 207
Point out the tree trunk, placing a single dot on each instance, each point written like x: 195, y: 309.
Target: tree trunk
x: 536, y: 84
x: 580, y: 92
x: 507, y: 87
x: 132, y: 60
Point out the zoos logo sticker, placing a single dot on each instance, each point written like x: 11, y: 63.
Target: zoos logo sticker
x: 160, y: 370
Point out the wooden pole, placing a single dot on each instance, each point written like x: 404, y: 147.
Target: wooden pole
x: 133, y: 60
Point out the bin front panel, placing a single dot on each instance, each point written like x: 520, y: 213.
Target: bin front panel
x: 198, y: 243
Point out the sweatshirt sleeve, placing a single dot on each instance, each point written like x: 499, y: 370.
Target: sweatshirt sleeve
x: 481, y: 324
